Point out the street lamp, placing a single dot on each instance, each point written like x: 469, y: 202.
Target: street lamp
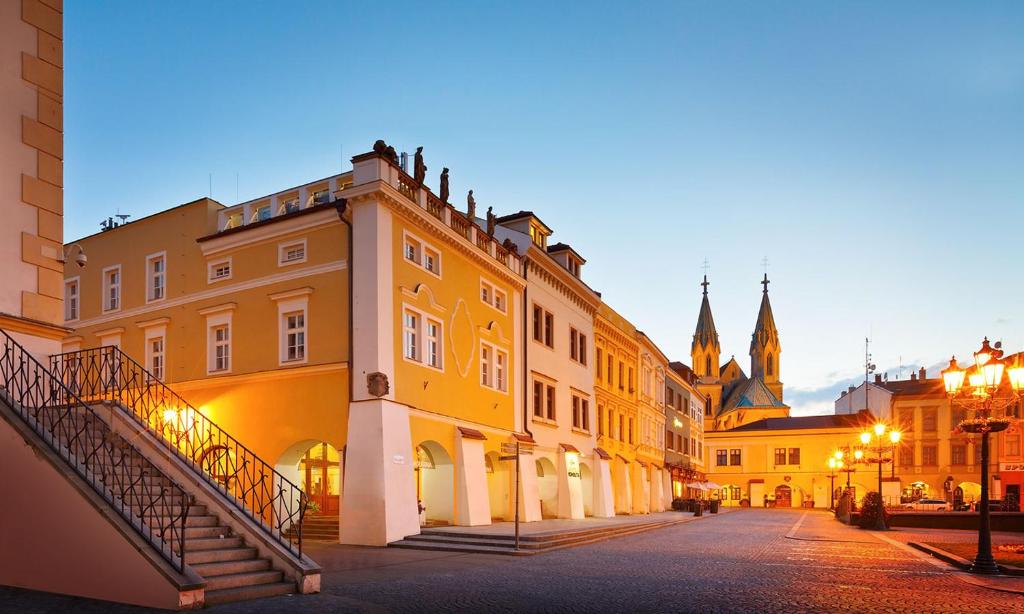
x: 877, y: 435
x: 833, y: 464
x: 991, y: 387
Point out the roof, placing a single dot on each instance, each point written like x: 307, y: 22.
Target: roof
x: 706, y: 334
x: 204, y: 199
x: 518, y: 215
x: 764, y: 328
x: 751, y: 393
x: 731, y: 360
x: 914, y: 386
x: 336, y: 204
x: 827, y: 421
x: 561, y: 247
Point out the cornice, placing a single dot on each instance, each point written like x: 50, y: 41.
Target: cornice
x: 548, y: 270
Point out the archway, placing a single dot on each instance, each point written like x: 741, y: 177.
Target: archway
x: 498, y: 486
x: 970, y: 492
x: 315, y: 468
x: 435, y: 484
x: 783, y: 496
x: 547, y: 487
x: 587, y: 485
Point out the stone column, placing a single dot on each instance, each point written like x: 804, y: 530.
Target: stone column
x: 623, y: 491
x: 657, y: 496
x: 473, y: 503
x: 604, y: 496
x: 641, y: 489
x: 570, y: 489
x: 529, y: 494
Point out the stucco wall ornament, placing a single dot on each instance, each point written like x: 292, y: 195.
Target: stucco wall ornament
x: 377, y: 384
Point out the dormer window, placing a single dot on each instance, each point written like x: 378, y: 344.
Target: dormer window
x: 574, y: 267
x: 538, y: 237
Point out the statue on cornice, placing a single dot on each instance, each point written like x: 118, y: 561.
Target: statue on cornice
x: 391, y: 154
x: 490, y: 221
x: 510, y: 245
x: 380, y: 147
x: 444, y: 185
x: 470, y: 206
x: 419, y: 169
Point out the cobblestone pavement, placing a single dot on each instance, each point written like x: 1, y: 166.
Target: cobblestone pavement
x: 746, y: 561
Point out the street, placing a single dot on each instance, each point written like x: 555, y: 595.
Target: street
x: 742, y: 561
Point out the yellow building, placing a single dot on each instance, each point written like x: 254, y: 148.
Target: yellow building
x: 337, y: 329
x: 617, y: 351
x: 783, y: 462
x: 653, y: 488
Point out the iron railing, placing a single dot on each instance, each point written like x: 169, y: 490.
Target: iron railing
x: 152, y: 503
x: 248, y: 482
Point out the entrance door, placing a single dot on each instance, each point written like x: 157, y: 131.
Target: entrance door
x: 1013, y: 497
x: 320, y: 472
x: 783, y: 496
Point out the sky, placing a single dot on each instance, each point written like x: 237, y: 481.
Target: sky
x: 871, y: 151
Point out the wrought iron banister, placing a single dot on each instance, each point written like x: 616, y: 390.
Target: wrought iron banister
x: 248, y: 482
x: 151, y: 502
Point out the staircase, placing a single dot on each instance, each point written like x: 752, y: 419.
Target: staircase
x: 319, y: 528
x: 453, y: 540
x: 232, y: 570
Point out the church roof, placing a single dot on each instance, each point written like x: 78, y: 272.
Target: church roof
x: 706, y: 334
x: 751, y: 393
x: 764, y: 328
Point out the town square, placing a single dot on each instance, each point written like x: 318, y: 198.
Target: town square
x: 660, y: 307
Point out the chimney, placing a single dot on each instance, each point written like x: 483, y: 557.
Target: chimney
x: 913, y: 376
x: 878, y: 378
x: 843, y: 394
x: 851, y: 389
x: 922, y: 374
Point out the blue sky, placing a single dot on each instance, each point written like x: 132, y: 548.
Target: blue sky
x: 873, y: 152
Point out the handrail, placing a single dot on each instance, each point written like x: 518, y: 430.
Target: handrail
x: 248, y: 482
x: 151, y: 502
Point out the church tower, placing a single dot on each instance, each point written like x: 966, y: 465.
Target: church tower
x: 705, y: 349
x: 765, y: 347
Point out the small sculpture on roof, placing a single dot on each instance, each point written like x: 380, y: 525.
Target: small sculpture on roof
x: 491, y: 218
x: 419, y: 169
x: 444, y: 185
x: 510, y: 245
x: 391, y: 154
x: 470, y: 206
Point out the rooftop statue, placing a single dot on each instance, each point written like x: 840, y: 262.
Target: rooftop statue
x: 419, y: 169
x: 470, y: 206
x: 444, y: 185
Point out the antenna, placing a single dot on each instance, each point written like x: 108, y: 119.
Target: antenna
x: 403, y: 161
x: 341, y: 158
x: 210, y: 193
x: 764, y: 264
x: 706, y: 267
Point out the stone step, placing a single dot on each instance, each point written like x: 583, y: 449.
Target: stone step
x: 245, y: 578
x: 214, y: 531
x: 259, y: 591
x: 195, y: 544
x: 549, y: 537
x: 219, y: 555
x: 210, y: 570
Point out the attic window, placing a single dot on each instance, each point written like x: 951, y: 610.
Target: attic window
x: 538, y: 236
x: 574, y: 266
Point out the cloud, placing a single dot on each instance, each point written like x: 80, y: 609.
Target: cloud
x: 821, y: 400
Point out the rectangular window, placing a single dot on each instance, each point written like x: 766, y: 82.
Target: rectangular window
x: 929, y: 455
x: 929, y: 420
x: 219, y: 270
x: 112, y: 289
x: 1012, y: 444
x: 583, y: 350
x: 907, y: 454
x: 291, y: 253
x: 422, y: 254
x: 295, y: 336
x: 321, y: 197
x: 734, y: 457
x: 432, y: 261
x: 600, y: 420
x: 412, y: 250
x: 71, y: 299
x: 262, y: 214
x: 622, y: 373
x: 493, y: 367
x: 622, y: 428
x: 549, y: 330
x: 156, y: 356
x: 538, y: 399
x: 600, y: 360
x: 577, y: 420
x: 794, y: 456
x: 977, y: 453
x: 721, y: 458
x: 551, y: 415
x: 410, y: 338
x: 493, y: 296
x: 156, y: 276
x: 780, y: 456
x: 290, y: 206
x: 221, y: 348
x: 631, y: 387
x: 632, y: 431
x: 670, y: 437
x: 573, y: 339
x: 958, y: 454
x: 433, y: 353
x: 610, y: 371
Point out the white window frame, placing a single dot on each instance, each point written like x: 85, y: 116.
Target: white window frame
x: 421, y: 338
x: 285, y: 246
x: 298, y: 333
x: 152, y: 334
x: 422, y: 248
x: 491, y: 367
x: 493, y: 292
x: 217, y: 317
x: 580, y: 405
x: 291, y: 302
x: 72, y: 315
x: 151, y: 277
x: 213, y: 265
x: 105, y: 297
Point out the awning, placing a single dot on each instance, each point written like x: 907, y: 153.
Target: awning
x: 602, y: 454
x: 696, y: 485
x: 568, y: 447
x: 469, y: 433
x: 712, y: 485
x: 523, y: 438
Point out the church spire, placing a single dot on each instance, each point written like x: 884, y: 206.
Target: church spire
x: 705, y: 349
x: 764, y: 344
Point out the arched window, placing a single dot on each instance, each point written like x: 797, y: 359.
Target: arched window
x: 707, y: 365
x: 771, y: 365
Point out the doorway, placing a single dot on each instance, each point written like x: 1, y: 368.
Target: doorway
x: 783, y: 496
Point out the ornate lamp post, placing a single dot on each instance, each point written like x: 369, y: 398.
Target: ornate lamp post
x: 991, y: 388
x: 877, y: 441
x: 833, y: 464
